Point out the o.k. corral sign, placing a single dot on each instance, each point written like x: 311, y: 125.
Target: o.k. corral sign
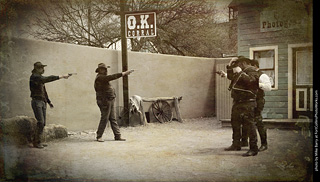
x: 140, y: 24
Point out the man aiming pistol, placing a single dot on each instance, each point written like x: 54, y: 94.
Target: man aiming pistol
x: 40, y: 98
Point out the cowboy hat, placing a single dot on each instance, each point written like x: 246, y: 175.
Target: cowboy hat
x: 101, y: 66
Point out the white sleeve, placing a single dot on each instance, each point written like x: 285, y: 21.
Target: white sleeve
x: 264, y: 82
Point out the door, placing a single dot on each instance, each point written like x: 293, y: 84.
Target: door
x: 302, y: 83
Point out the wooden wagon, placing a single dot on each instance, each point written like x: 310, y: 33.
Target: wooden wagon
x: 163, y: 109
x: 158, y: 109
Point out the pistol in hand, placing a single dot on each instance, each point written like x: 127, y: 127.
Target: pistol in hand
x: 70, y: 74
x: 221, y: 73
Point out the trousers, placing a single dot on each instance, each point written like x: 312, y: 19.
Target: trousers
x: 107, y: 113
x: 260, y: 125
x: 243, y: 114
x: 39, y: 108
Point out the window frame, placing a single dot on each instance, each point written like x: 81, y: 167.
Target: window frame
x: 233, y: 13
x: 268, y: 48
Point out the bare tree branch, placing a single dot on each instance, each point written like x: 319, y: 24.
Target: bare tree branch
x: 184, y: 27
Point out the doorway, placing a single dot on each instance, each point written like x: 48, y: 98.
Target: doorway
x: 302, y: 82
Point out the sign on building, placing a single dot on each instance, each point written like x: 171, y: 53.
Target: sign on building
x: 271, y: 20
x: 142, y: 24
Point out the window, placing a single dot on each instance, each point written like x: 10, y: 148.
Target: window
x: 268, y: 62
x: 304, y: 67
x: 233, y: 13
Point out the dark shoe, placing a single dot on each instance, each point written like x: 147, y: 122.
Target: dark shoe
x: 39, y: 146
x: 263, y: 148
x: 250, y: 153
x: 244, y: 144
x: 30, y: 145
x: 119, y: 139
x: 100, y: 139
x: 232, y: 148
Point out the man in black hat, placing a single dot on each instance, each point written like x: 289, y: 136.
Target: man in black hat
x: 244, y: 86
x: 40, y: 98
x: 105, y: 96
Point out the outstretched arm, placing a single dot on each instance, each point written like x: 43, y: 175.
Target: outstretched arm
x: 107, y: 78
x: 66, y: 76
x: 127, y: 72
x: 47, y: 79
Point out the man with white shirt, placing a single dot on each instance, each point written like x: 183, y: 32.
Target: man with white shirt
x: 264, y: 85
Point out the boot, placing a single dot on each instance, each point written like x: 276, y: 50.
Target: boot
x: 118, y: 138
x: 233, y: 148
x: 250, y: 153
x: 263, y: 148
x: 100, y: 139
x: 39, y: 146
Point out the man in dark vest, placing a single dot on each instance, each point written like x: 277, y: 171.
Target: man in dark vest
x: 244, y: 86
x: 105, y: 95
x: 40, y: 98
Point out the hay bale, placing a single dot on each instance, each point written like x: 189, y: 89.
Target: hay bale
x: 53, y: 131
x: 19, y: 129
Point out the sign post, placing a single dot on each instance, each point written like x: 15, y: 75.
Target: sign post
x: 124, y: 56
x: 133, y: 25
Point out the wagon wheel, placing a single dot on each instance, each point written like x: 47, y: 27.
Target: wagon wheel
x: 162, y: 111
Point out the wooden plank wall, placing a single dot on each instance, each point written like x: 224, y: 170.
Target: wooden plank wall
x: 249, y: 36
x: 223, y: 95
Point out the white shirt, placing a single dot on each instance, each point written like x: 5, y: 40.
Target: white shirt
x: 264, y: 82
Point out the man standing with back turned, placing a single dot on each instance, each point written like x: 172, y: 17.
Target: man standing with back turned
x: 105, y: 96
x: 40, y: 98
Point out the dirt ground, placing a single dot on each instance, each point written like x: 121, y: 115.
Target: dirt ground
x: 188, y: 151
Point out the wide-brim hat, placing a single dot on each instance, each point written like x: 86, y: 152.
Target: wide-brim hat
x: 254, y: 62
x: 242, y: 59
x: 38, y: 65
x: 101, y: 66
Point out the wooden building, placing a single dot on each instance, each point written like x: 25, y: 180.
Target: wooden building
x: 277, y: 33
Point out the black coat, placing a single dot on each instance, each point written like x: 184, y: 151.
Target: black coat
x: 37, y: 87
x: 103, y: 87
x: 244, y: 85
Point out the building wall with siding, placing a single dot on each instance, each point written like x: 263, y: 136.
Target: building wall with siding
x: 250, y: 36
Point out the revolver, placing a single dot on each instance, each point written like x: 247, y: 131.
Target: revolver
x: 70, y: 74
